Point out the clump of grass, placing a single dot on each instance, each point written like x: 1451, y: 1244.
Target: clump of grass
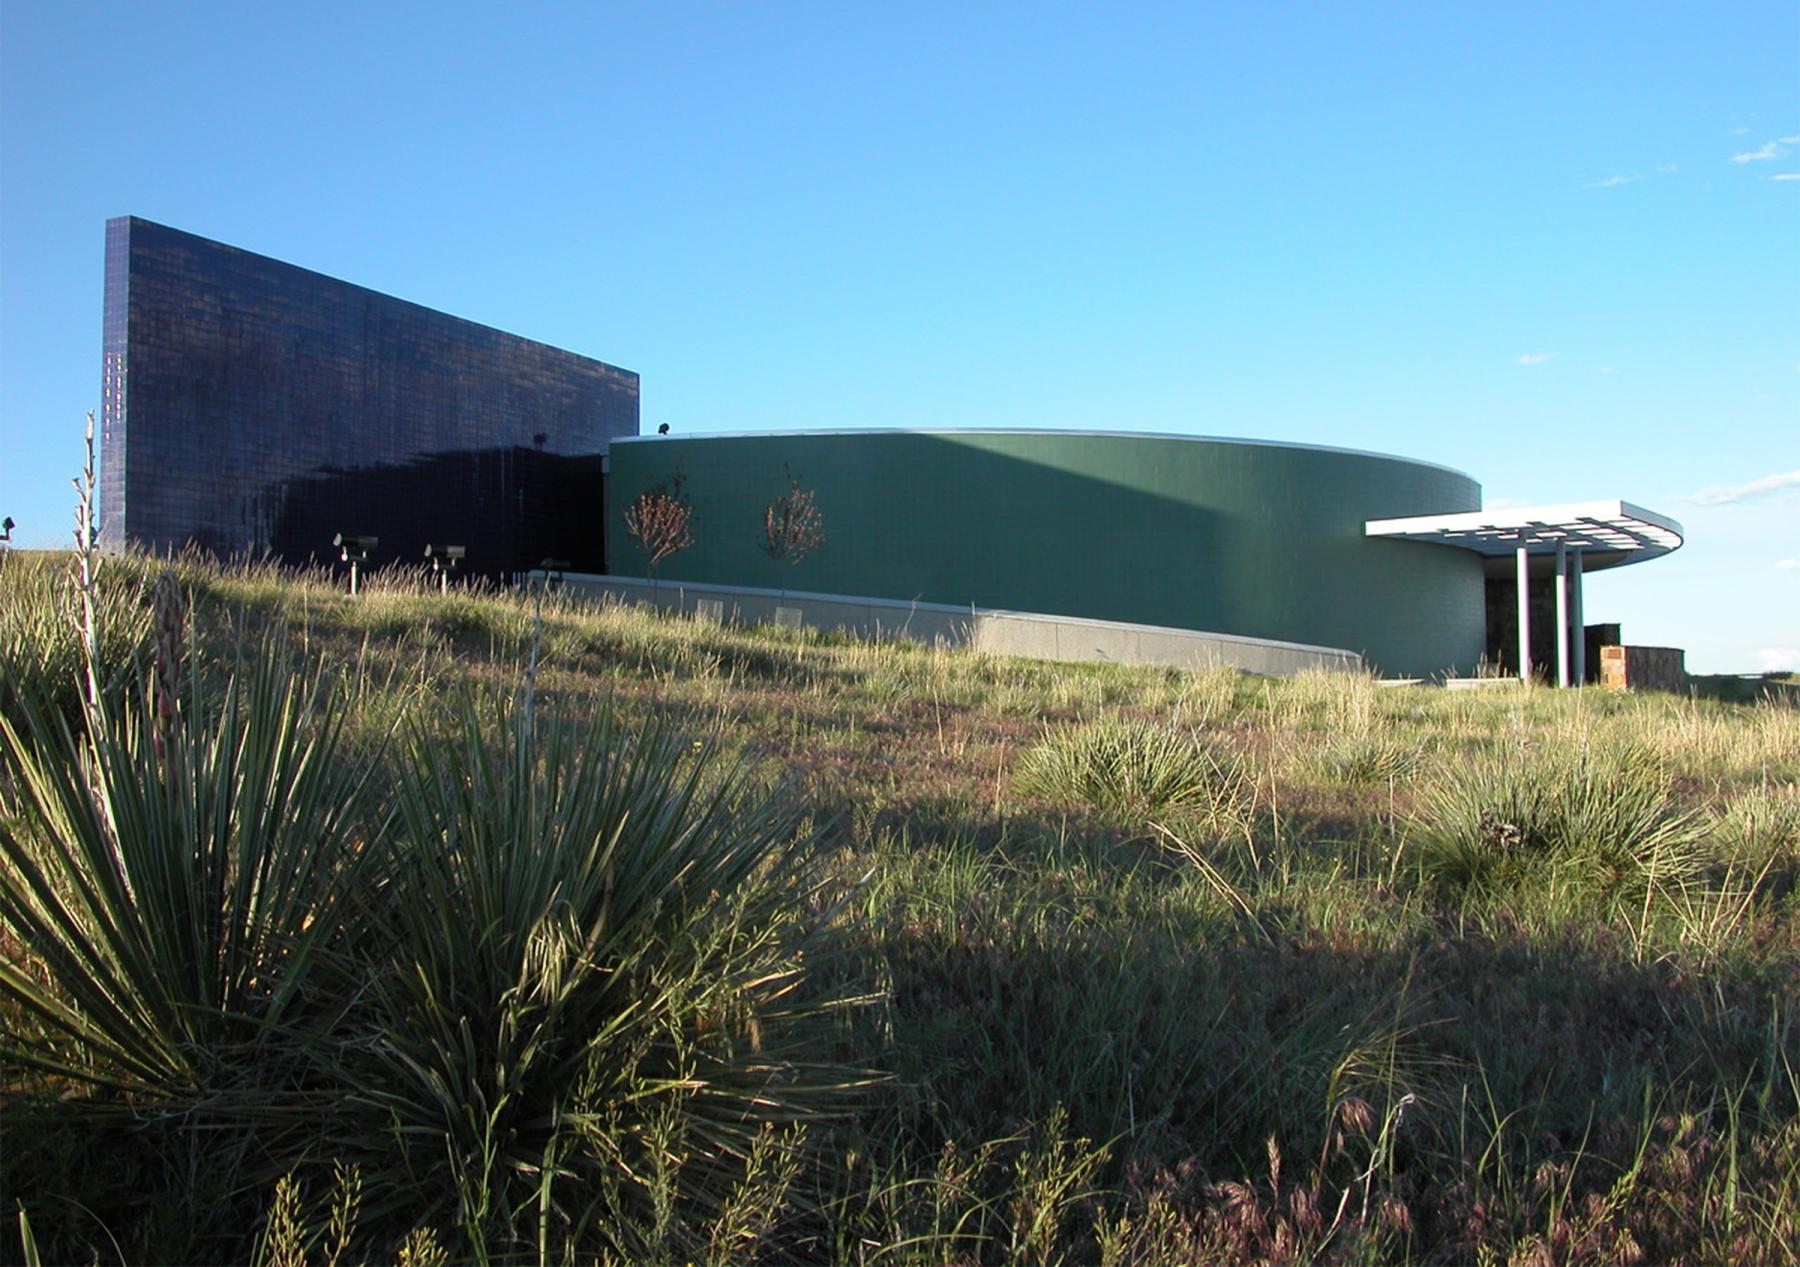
x: 887, y: 688
x: 1727, y: 745
x: 1026, y: 1197
x: 1756, y: 840
x: 1760, y: 824
x: 1208, y: 696
x: 1600, y: 818
x: 1328, y: 699
x: 41, y: 639
x: 1133, y: 769
x: 1369, y: 760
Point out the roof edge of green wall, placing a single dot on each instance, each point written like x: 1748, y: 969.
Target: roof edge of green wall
x: 813, y: 432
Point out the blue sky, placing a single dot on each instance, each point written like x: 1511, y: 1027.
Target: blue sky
x: 1554, y: 246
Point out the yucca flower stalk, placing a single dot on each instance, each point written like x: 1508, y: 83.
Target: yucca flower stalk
x: 85, y: 568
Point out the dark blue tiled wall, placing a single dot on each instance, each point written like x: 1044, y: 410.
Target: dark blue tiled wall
x: 252, y: 406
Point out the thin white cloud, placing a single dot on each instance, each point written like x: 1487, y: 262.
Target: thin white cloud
x: 1767, y: 150
x: 1731, y: 494
x: 1785, y: 176
x: 1535, y: 358
x: 1740, y: 132
x: 1788, y: 565
x: 1629, y: 178
x: 1778, y: 659
x: 1607, y: 369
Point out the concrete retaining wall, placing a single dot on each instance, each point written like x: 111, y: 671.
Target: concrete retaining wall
x: 1001, y: 632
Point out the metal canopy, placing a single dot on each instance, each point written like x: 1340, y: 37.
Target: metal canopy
x: 1612, y: 527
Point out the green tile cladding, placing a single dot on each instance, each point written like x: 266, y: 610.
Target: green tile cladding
x: 1227, y: 536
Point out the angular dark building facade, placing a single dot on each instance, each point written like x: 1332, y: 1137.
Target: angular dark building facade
x: 249, y: 406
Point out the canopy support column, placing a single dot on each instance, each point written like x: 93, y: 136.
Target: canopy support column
x: 1576, y: 617
x: 1562, y: 614
x: 1524, y: 553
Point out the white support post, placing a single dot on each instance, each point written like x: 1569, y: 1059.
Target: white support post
x: 1562, y: 614
x: 1524, y: 612
x: 1576, y: 617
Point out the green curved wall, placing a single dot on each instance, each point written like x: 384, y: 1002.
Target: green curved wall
x: 1262, y: 540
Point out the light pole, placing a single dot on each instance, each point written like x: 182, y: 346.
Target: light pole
x: 355, y: 552
x: 444, y: 560
x: 553, y: 570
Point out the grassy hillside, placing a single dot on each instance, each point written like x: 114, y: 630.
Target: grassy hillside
x: 421, y: 928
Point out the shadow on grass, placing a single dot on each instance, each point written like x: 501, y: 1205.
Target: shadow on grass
x: 1190, y: 1044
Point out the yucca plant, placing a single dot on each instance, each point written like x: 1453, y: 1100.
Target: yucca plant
x: 175, y: 875
x: 1601, y: 818
x: 172, y: 877
x: 594, y: 932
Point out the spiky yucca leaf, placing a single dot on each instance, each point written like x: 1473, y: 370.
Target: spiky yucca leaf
x: 175, y: 901
x: 589, y: 925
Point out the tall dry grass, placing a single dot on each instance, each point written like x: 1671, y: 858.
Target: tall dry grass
x: 1311, y: 1036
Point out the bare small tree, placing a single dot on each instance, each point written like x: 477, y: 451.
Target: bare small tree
x: 659, y: 518
x: 791, y: 527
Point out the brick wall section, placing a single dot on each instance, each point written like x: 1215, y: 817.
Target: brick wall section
x: 1644, y: 669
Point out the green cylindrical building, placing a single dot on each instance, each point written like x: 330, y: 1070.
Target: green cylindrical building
x: 1242, y: 537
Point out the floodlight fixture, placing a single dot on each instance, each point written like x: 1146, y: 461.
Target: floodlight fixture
x: 444, y: 560
x: 354, y: 550
x: 553, y: 570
